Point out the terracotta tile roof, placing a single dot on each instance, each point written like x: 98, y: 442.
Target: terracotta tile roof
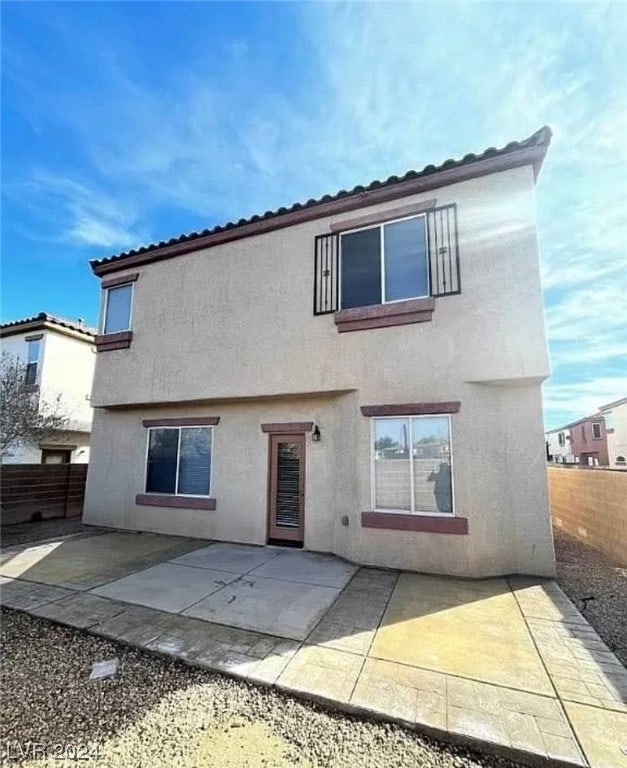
x: 540, y: 140
x: 47, y: 318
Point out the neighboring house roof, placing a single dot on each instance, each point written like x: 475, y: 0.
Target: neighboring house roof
x: 530, y: 151
x: 615, y: 404
x: 583, y: 420
x: 46, y: 321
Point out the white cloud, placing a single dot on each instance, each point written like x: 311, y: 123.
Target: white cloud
x: 77, y: 213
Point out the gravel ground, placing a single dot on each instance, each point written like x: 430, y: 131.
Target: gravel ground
x: 597, y: 586
x: 158, y: 712
x: 46, y: 529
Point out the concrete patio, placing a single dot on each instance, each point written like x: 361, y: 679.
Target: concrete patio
x: 508, y: 665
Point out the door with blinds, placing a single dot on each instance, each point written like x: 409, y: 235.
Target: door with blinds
x: 286, y: 488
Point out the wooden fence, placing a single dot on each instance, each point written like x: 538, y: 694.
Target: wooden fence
x: 591, y: 505
x: 41, y: 491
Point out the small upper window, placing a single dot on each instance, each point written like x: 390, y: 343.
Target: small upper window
x: 117, y: 309
x: 596, y: 430
x: 560, y: 438
x: 32, y: 361
x: 385, y: 263
x: 583, y: 433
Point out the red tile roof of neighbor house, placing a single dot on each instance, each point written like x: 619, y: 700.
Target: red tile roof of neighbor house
x: 530, y: 151
x: 43, y: 320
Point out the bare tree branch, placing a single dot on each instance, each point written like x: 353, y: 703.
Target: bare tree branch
x: 26, y: 418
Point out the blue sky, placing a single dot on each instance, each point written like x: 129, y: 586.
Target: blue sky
x: 128, y: 123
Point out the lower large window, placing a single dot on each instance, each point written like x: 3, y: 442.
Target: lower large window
x: 412, y: 464
x: 179, y: 461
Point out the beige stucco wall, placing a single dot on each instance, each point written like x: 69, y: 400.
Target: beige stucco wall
x: 239, y: 472
x: 236, y: 322
x: 499, y: 484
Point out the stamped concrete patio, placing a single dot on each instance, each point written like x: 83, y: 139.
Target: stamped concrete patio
x: 505, y: 664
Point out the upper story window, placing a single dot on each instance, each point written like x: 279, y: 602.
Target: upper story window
x: 596, y: 430
x: 32, y: 360
x: 395, y: 260
x: 583, y: 433
x: 561, y: 439
x: 118, y: 302
x: 384, y: 263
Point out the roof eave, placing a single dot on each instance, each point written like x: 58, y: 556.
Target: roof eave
x: 45, y: 325
x: 533, y: 156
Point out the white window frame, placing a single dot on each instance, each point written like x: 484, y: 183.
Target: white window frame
x: 598, y: 425
x: 105, y: 308
x: 36, y: 362
x: 381, y: 227
x: 373, y: 490
x: 178, y: 459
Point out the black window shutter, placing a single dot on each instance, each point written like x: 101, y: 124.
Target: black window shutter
x: 326, y: 274
x: 443, y: 243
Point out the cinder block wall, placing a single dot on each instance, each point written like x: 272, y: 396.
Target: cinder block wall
x: 591, y: 504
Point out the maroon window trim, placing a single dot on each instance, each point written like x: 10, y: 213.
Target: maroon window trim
x: 288, y: 427
x: 112, y: 282
x: 384, y: 315
x: 177, y: 502
x: 203, y: 421
x: 400, y: 522
x: 107, y: 341
x: 411, y: 409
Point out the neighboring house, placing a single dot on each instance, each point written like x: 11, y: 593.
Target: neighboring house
x: 558, y: 446
x: 358, y: 374
x: 616, y: 425
x: 581, y: 442
x: 60, y: 359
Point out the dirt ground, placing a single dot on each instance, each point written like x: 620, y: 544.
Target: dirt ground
x: 597, y: 586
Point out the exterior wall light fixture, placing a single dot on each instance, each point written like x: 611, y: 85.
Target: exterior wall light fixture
x: 316, y: 434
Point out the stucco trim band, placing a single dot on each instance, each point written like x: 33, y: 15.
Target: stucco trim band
x: 177, y: 502
x: 380, y: 218
x: 411, y: 409
x: 288, y: 427
x: 425, y: 523
x: 384, y: 315
x: 191, y: 421
x: 107, y: 341
x: 112, y: 282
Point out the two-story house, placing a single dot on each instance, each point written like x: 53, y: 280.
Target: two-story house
x: 358, y: 374
x: 59, y: 356
x: 615, y: 415
x: 580, y: 442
